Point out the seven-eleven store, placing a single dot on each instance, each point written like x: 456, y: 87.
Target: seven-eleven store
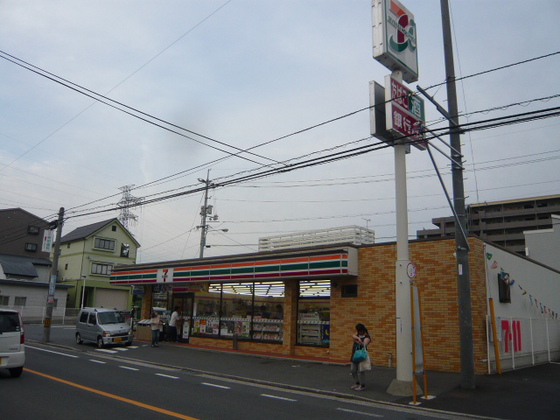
x: 277, y: 303
x: 305, y: 302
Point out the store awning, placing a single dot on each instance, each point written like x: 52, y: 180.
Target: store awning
x: 302, y: 264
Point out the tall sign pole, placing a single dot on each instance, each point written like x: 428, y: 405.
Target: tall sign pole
x: 52, y: 281
x: 403, y: 383
x: 396, y: 119
x: 463, y: 274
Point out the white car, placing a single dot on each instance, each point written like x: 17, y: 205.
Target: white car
x: 12, y: 342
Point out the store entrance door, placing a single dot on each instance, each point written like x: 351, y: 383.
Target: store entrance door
x: 185, y: 303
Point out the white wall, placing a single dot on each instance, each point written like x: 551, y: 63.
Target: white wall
x: 34, y: 308
x: 529, y: 327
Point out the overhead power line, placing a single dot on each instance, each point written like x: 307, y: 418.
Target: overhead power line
x: 321, y: 160
x: 134, y: 112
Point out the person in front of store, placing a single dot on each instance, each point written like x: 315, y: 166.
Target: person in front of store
x: 173, y: 324
x: 361, y: 339
x: 156, y: 327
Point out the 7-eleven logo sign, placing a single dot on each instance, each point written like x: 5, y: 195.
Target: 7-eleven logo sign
x: 165, y: 275
x: 404, y: 35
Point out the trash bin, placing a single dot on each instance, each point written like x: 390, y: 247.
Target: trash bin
x: 144, y: 330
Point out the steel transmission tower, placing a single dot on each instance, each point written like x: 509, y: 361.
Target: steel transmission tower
x: 127, y: 201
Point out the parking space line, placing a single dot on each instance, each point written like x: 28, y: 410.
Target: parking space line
x: 107, y: 351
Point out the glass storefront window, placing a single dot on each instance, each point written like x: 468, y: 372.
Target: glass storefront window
x: 314, y: 313
x: 252, y: 311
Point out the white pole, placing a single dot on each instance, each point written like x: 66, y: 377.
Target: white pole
x: 547, y: 339
x: 512, y: 334
x: 403, y: 383
x: 83, y: 291
x: 532, y: 343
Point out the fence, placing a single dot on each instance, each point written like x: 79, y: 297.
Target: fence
x: 36, y: 314
x: 523, y: 342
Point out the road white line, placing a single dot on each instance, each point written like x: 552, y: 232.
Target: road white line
x: 276, y: 397
x: 121, y: 348
x: 50, y: 351
x: 359, y: 412
x: 97, y: 361
x: 215, y: 385
x: 129, y: 368
x: 107, y: 351
x: 167, y: 376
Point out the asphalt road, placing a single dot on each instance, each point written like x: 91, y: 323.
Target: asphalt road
x: 73, y: 383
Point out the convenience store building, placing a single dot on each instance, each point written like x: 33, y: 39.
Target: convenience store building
x: 305, y: 302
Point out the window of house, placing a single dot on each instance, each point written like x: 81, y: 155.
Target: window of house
x: 114, y: 228
x: 125, y: 250
x: 314, y: 312
x: 66, y: 266
x: 4, y: 300
x: 33, y: 230
x: 20, y: 301
x: 108, y: 244
x: 101, y: 269
x: 29, y: 247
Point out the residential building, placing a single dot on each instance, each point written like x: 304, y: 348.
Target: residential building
x: 88, y: 255
x: 501, y: 222
x: 21, y: 233
x: 544, y: 245
x: 25, y: 268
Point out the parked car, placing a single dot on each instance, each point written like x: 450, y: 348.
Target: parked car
x: 12, y: 342
x: 103, y: 326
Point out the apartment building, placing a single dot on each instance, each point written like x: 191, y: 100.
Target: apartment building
x: 501, y: 222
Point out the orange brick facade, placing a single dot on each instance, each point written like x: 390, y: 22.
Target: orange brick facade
x: 375, y: 307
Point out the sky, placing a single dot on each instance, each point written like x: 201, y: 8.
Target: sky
x: 290, y: 77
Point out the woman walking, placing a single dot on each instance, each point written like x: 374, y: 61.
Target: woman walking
x: 361, y: 340
x: 156, y: 326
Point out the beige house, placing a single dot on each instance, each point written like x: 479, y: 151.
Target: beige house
x: 88, y: 255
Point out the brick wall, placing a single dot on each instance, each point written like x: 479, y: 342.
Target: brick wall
x: 437, y: 281
x: 375, y: 307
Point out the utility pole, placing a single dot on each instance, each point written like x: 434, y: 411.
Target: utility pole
x: 52, y: 281
x: 463, y: 273
x: 204, y: 213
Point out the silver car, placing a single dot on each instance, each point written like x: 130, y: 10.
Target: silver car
x: 102, y: 326
x: 12, y: 342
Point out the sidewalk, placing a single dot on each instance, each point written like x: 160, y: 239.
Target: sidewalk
x: 525, y: 394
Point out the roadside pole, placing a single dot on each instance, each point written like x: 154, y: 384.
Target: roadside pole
x: 463, y: 272
x: 53, y: 279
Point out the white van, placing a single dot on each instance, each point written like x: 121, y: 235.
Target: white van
x: 102, y: 326
x: 12, y: 342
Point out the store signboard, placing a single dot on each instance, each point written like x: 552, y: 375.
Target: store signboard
x: 48, y: 240
x: 395, y: 38
x: 404, y: 112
